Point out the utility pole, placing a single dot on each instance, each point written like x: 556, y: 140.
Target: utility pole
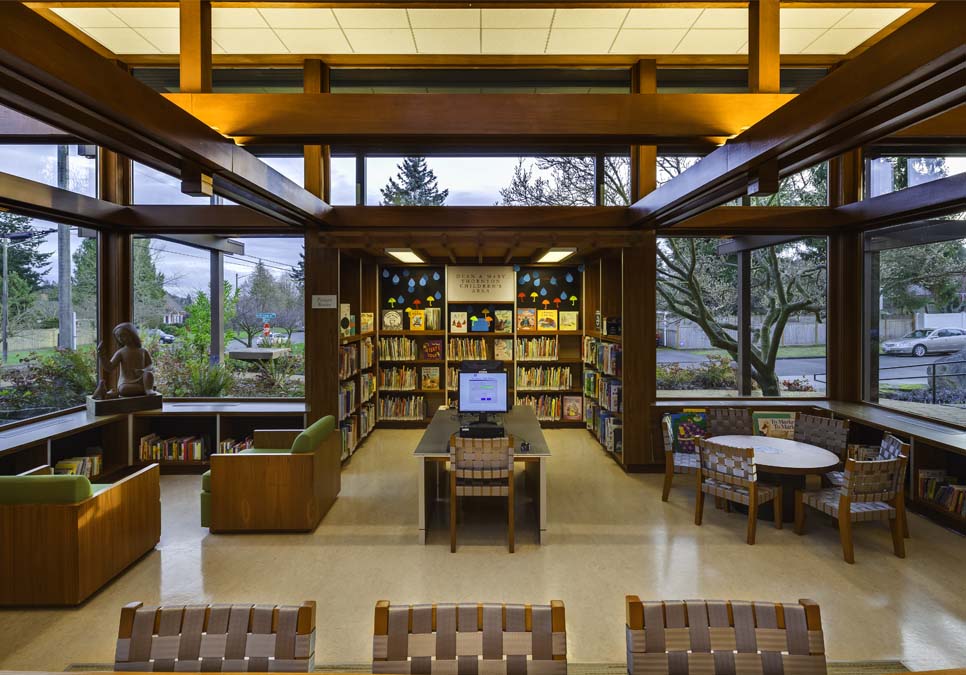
x: 65, y: 308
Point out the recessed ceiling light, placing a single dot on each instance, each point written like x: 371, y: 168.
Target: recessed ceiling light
x: 556, y: 255
x: 405, y: 255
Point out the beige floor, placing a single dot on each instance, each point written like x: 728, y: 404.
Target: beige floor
x: 610, y: 534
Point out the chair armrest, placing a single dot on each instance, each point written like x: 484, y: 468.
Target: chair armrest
x: 275, y: 438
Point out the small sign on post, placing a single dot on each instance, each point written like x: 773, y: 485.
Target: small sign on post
x: 266, y: 316
x: 266, y: 329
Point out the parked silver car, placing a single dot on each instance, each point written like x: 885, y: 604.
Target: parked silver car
x: 927, y: 341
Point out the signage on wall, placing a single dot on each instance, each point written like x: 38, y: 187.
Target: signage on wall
x: 480, y: 284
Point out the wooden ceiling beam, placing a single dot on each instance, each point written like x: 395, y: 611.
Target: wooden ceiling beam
x: 454, y: 218
x: 48, y: 74
x: 194, y: 18
x: 764, y: 55
x: 910, y: 76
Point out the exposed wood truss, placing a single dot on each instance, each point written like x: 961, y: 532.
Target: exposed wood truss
x: 911, y: 75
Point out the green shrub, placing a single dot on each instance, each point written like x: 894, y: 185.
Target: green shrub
x: 715, y: 372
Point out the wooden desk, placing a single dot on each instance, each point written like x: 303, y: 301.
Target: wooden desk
x: 433, y: 453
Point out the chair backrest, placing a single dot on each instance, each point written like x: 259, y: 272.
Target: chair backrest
x: 825, y: 432
x: 311, y: 438
x: 467, y: 639
x: 729, y: 422
x: 875, y: 481
x: 471, y: 457
x: 727, y: 464
x: 891, y: 447
x: 724, y: 637
x: 253, y: 638
x: 680, y: 430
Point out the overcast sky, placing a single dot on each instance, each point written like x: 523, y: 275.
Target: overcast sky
x: 472, y: 181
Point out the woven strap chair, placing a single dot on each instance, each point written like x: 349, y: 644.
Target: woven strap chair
x: 480, y: 467
x: 729, y: 422
x: 872, y: 491
x: 468, y: 639
x: 733, y: 638
x: 730, y: 473
x: 680, y: 452
x: 228, y: 638
x: 825, y: 432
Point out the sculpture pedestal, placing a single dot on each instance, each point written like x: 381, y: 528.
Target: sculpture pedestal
x: 123, y: 404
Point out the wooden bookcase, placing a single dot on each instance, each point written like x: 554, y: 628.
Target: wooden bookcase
x: 357, y: 385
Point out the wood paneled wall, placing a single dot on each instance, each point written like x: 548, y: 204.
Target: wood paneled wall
x: 321, y: 328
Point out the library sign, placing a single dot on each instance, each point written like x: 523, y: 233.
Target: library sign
x: 480, y: 284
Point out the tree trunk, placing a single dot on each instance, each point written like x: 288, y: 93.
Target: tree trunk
x: 768, y: 381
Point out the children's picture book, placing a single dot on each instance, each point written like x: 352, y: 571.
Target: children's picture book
x: 434, y: 318
x: 345, y: 322
x: 568, y: 320
x: 504, y: 321
x: 573, y: 408
x: 479, y: 324
x: 365, y: 322
x: 526, y: 320
x: 774, y: 424
x: 503, y: 350
x: 432, y: 350
x: 457, y: 322
x: 430, y: 377
x: 417, y: 319
x: 546, y: 319
x: 392, y: 319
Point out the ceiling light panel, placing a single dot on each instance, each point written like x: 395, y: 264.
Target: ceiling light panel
x: 372, y: 18
x: 449, y: 18
x: 794, y: 40
x: 165, y: 39
x: 381, y: 40
x: 868, y: 17
x: 447, y: 40
x: 294, y: 18
x: 148, y: 17
x: 712, y: 42
x: 635, y: 41
x: 515, y: 41
x: 580, y: 41
x: 556, y: 255
x: 661, y: 18
x: 722, y: 18
x: 405, y: 255
x: 517, y: 18
x: 248, y: 40
x: 589, y: 18
x: 839, y: 40
x: 237, y: 18
x: 314, y: 41
x: 122, y: 40
x: 812, y: 17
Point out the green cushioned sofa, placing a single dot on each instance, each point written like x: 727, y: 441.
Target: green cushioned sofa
x: 287, y: 482
x: 64, y: 538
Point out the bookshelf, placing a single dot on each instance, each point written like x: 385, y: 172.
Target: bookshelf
x: 937, y: 485
x: 357, y: 352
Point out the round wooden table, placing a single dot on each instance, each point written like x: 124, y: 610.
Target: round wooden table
x: 783, y: 462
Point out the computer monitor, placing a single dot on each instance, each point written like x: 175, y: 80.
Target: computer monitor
x: 483, y: 392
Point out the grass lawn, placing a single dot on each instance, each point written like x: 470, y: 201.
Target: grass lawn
x: 792, y: 352
x: 15, y: 357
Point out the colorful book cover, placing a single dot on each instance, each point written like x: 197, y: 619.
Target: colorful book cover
x: 546, y: 319
x: 503, y: 350
x: 432, y: 350
x: 526, y: 320
x: 504, y: 320
x: 365, y: 322
x: 568, y: 320
x: 457, y: 322
x: 480, y: 324
x: 687, y: 426
x: 417, y: 319
x: 392, y: 319
x: 573, y: 408
x: 345, y: 323
x: 430, y: 377
x: 434, y: 318
x: 774, y: 424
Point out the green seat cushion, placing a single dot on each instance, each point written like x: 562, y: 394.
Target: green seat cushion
x: 310, y: 439
x: 206, y: 481
x: 266, y: 451
x: 44, y: 489
x: 98, y: 488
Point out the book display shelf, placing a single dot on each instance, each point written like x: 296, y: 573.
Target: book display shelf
x: 357, y: 352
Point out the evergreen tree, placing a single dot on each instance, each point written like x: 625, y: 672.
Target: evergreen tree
x: 297, y: 275
x: 84, y: 281
x: 414, y: 185
x: 24, y: 258
x: 148, y: 285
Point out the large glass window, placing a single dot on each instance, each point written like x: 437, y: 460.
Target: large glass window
x: 892, y: 173
x: 154, y: 187
x: 917, y: 318
x: 70, y: 167
x: 48, y: 318
x: 698, y: 318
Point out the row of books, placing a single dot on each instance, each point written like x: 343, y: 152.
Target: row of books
x: 348, y: 360
x: 356, y: 427
x: 461, y: 349
x: 411, y: 318
x: 610, y: 394
x: 397, y: 349
x: 176, y: 449
x: 347, y: 398
x: 537, y: 348
x: 231, y: 446
x: 367, y: 354
x: 89, y: 465
x: 605, y: 425
x: 604, y: 356
x: 402, y: 408
x: 553, y: 407
x: 543, y: 377
x: 367, y: 386
x: 591, y: 383
x: 401, y: 378
x: 941, y: 489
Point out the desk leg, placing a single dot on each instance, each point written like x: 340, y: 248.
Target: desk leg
x: 543, y: 498
x: 422, y: 500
